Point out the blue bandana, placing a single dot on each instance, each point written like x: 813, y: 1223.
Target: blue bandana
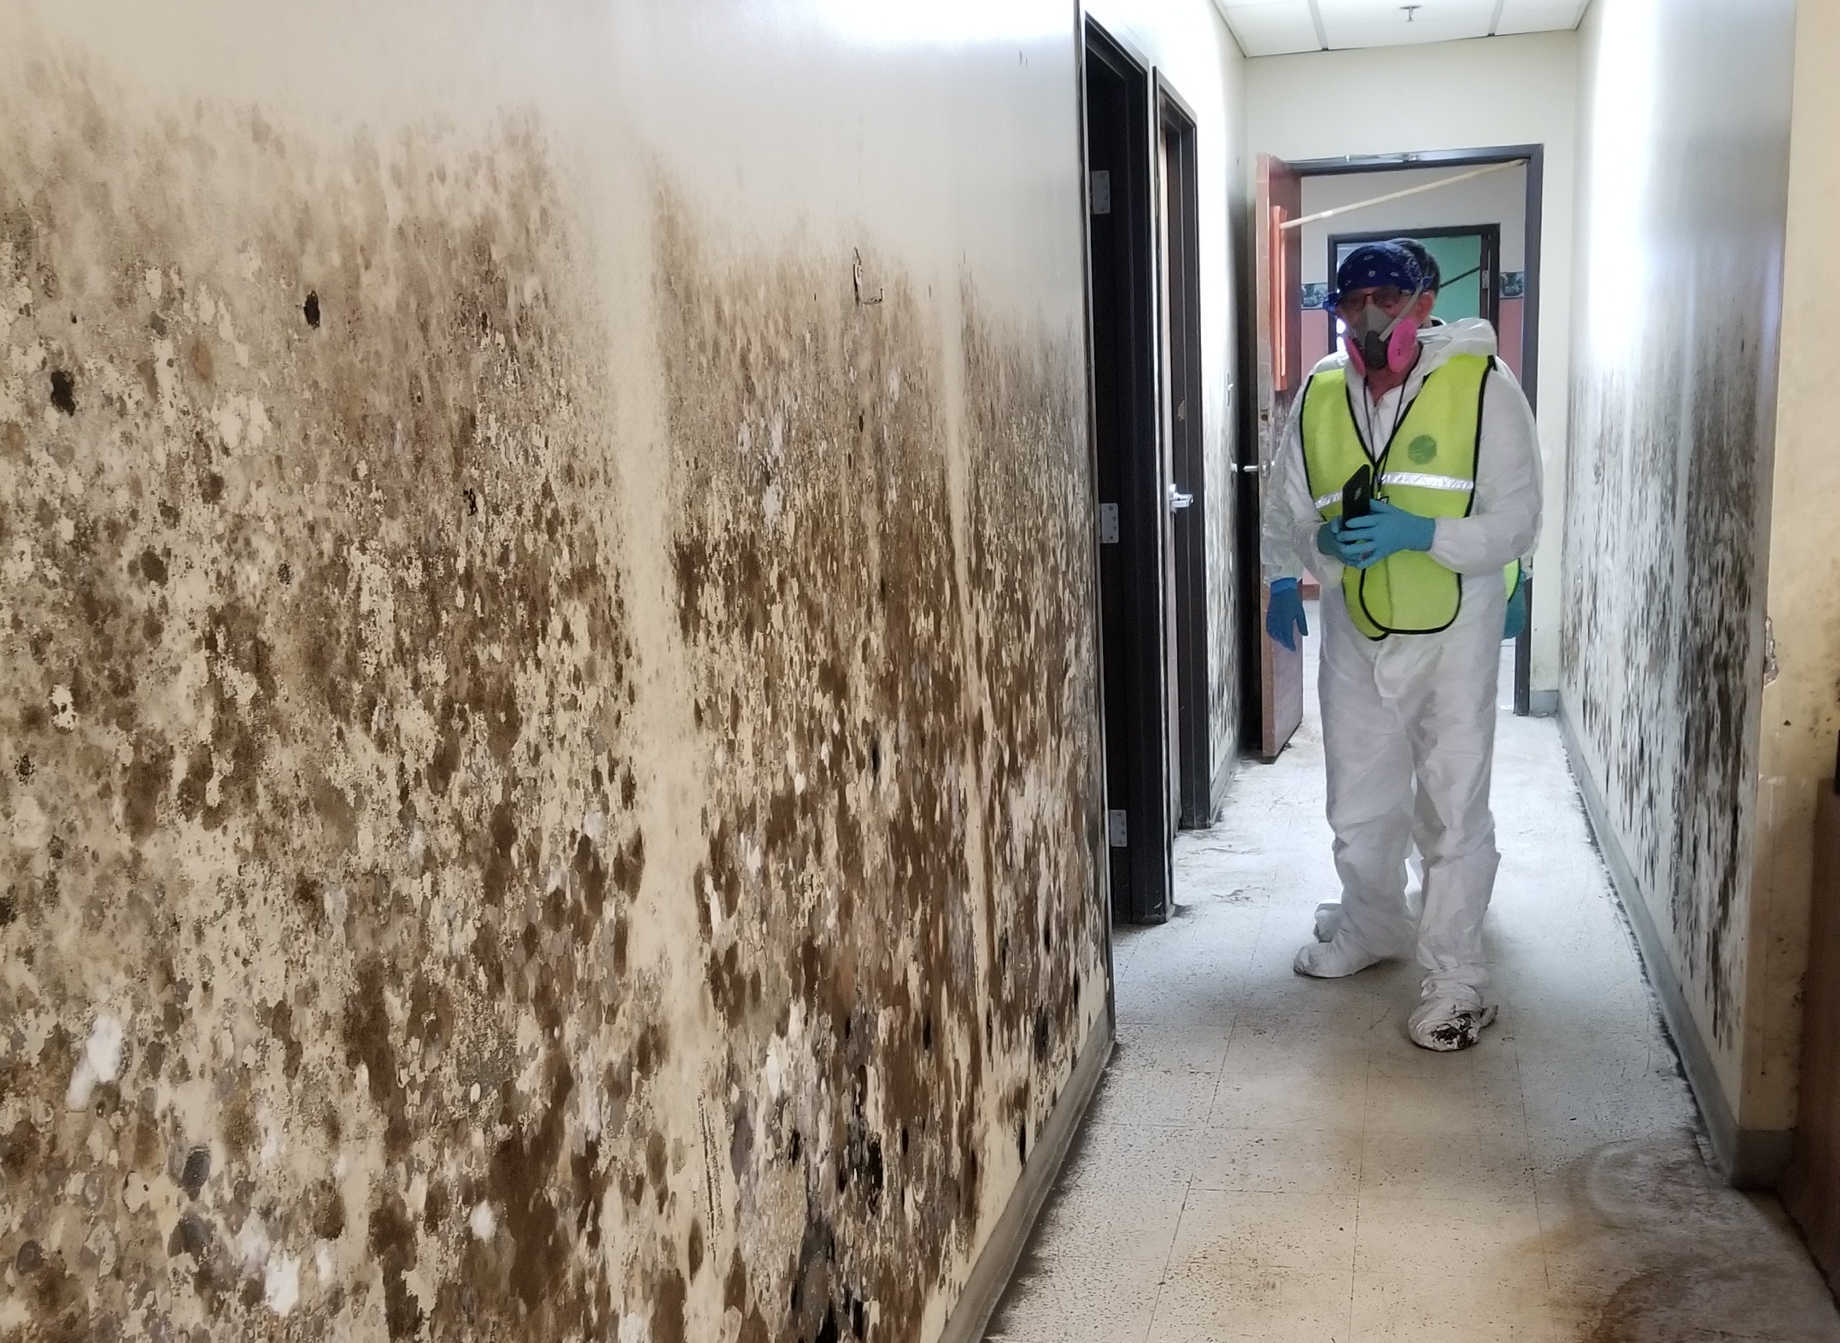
x: 1373, y: 265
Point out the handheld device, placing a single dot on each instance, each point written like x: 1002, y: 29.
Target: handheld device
x: 1358, y: 494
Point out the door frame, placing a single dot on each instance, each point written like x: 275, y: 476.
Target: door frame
x: 1530, y: 334
x: 1491, y: 253
x: 1178, y: 238
x: 1141, y: 878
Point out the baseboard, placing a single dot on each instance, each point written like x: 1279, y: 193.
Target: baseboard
x: 1543, y: 704
x: 991, y: 1274
x: 1749, y: 1158
x: 1223, y: 779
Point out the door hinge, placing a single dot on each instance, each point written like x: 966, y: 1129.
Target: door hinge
x: 1108, y: 524
x: 1116, y: 832
x: 1100, y: 191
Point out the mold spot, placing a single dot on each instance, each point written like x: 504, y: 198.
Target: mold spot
x: 191, y: 1236
x: 311, y: 308
x: 197, y: 1171
x: 64, y: 391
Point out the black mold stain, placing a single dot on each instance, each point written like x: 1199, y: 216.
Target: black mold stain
x: 197, y: 1171
x: 271, y: 849
x: 335, y: 848
x: 849, y: 652
x: 64, y: 391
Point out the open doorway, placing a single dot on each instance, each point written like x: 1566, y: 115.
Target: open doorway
x: 1129, y: 478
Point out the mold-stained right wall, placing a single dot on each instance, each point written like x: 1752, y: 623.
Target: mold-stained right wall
x: 1684, y: 148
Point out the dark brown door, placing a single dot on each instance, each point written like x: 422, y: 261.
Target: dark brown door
x: 1192, y: 514
x: 1277, y: 267
x: 1133, y: 492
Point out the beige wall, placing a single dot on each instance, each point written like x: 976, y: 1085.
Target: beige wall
x: 1680, y: 233
x: 559, y: 797
x: 1500, y: 198
x: 1456, y: 95
x: 1801, y: 709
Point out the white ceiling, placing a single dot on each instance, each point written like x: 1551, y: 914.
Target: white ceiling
x: 1278, y: 27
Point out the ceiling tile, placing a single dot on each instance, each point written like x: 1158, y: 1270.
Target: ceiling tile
x: 1540, y: 16
x: 1379, y: 23
x: 1273, y: 27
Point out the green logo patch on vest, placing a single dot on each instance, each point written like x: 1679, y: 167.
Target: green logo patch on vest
x: 1422, y: 449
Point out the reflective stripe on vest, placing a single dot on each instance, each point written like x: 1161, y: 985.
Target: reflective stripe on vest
x: 1428, y: 468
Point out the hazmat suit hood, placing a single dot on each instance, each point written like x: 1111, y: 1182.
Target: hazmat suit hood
x: 1438, y: 344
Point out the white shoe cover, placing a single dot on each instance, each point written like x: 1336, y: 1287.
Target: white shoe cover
x: 1335, y: 959
x: 1450, y: 1019
x: 1328, y: 920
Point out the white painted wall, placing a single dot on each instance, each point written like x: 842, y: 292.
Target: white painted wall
x: 1499, y: 198
x: 1455, y: 95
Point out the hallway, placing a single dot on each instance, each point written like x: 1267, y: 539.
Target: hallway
x: 1270, y: 1159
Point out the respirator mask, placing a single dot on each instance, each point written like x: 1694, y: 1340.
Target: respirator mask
x: 1375, y: 341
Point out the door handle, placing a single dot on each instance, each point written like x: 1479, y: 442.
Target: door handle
x: 1251, y: 468
x: 1178, y: 500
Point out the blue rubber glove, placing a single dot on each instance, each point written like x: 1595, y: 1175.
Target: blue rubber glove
x: 1284, y: 614
x: 1383, y: 532
x: 1517, y: 614
x: 1332, y: 541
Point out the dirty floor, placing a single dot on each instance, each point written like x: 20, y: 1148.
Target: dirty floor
x: 1270, y: 1160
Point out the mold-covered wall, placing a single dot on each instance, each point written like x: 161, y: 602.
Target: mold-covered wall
x: 1673, y: 400
x: 546, y: 668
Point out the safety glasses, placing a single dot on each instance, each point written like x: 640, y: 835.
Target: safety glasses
x: 1387, y: 298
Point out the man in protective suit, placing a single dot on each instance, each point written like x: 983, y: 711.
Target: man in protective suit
x: 1415, y: 595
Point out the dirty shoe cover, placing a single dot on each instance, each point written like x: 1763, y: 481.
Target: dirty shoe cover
x: 1449, y: 1019
x: 1335, y: 959
x: 1328, y: 920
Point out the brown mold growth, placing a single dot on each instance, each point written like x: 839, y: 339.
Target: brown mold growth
x: 313, y: 687
x: 1037, y: 731
x: 899, y: 1001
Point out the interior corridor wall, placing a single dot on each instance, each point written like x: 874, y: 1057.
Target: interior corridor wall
x: 547, y: 684
x: 1800, y: 714
x: 1456, y: 95
x: 1188, y: 44
x: 1680, y: 233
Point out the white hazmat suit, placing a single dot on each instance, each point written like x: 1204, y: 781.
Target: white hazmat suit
x: 1416, y: 709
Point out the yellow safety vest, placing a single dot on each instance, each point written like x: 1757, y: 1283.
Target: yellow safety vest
x: 1428, y: 467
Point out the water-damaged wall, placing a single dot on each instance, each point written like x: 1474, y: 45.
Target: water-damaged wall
x: 1673, y: 399
x: 548, y: 687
